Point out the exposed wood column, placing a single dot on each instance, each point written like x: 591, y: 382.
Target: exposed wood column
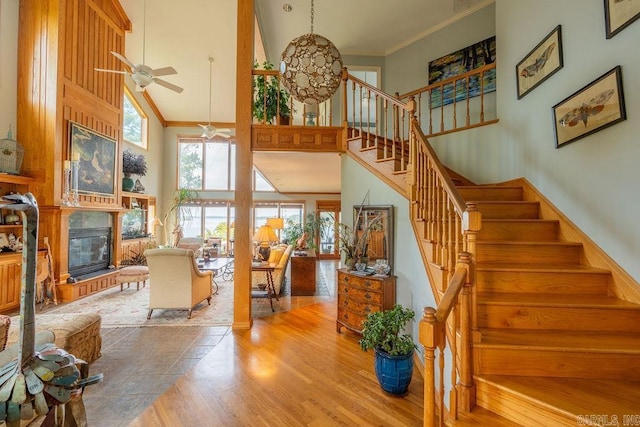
x: 244, y: 163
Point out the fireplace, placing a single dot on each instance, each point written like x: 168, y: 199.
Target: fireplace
x: 90, y: 247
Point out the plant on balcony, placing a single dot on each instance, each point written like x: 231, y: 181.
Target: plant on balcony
x: 270, y: 98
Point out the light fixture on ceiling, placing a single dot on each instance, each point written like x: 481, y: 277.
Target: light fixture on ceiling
x: 209, y: 131
x: 311, y: 67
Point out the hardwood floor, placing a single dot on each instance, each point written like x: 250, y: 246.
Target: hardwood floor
x: 291, y: 368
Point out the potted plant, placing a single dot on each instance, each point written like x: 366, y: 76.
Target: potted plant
x: 180, y: 197
x: 382, y: 331
x: 132, y: 164
x: 270, y: 98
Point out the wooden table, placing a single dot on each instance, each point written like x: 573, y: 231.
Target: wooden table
x: 303, y: 272
x: 219, y: 266
x: 271, y: 289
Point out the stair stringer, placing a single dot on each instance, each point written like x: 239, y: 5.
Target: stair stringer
x: 622, y: 285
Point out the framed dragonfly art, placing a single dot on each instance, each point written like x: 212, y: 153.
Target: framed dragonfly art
x: 596, y: 106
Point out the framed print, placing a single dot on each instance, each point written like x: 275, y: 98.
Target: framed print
x: 459, y: 62
x: 96, y: 157
x: 541, y: 63
x: 619, y: 14
x: 594, y: 107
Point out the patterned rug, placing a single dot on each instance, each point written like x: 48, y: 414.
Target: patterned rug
x: 128, y: 308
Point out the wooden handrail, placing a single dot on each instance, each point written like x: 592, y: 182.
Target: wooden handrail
x: 450, y: 80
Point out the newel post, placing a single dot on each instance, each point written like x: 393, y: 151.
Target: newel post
x: 467, y: 388
x: 471, y: 225
x: 430, y: 337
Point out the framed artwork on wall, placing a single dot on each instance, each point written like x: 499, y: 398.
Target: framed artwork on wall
x: 596, y: 106
x: 96, y: 156
x: 619, y: 15
x: 459, y: 62
x: 541, y: 63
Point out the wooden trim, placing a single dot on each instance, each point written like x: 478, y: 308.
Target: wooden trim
x: 154, y: 108
x: 622, y: 285
x: 177, y: 123
x: 122, y: 15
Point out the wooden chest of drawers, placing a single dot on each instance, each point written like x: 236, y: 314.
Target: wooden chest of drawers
x: 361, y: 295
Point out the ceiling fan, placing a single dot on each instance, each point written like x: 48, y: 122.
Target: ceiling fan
x: 209, y: 131
x: 143, y: 75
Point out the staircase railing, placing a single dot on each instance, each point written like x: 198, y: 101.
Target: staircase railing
x: 379, y: 119
x: 439, y: 106
x: 450, y: 231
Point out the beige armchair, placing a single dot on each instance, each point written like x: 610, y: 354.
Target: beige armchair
x: 175, y: 281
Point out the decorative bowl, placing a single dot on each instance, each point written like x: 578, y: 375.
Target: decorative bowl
x: 361, y: 266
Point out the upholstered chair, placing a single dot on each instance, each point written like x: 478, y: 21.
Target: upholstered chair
x: 175, y: 281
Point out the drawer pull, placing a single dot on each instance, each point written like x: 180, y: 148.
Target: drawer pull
x: 367, y: 296
x: 367, y: 309
x: 367, y: 283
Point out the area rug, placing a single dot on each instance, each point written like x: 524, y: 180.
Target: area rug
x: 129, y: 308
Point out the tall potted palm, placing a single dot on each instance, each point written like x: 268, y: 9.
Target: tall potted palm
x: 383, y: 332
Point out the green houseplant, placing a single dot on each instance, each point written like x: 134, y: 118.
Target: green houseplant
x: 382, y: 331
x: 270, y: 99
x: 180, y: 197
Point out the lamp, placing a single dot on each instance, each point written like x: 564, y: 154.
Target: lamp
x: 311, y: 67
x: 264, y: 236
x: 155, y: 222
x: 276, y: 223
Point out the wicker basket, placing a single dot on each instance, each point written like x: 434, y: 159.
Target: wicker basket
x: 11, y: 153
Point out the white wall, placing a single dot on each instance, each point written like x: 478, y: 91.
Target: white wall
x: 412, y: 285
x: 591, y: 180
x: 8, y: 65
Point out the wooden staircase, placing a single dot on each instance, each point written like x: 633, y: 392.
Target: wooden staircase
x: 553, y: 346
x: 549, y: 330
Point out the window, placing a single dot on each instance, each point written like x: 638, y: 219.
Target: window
x: 134, y: 121
x: 211, y: 165
x: 216, y: 218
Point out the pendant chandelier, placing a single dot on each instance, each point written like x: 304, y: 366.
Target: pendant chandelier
x: 311, y: 67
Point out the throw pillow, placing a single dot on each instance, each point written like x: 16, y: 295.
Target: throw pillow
x: 275, y: 256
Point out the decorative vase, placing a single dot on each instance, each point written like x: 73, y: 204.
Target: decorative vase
x: 393, y: 372
x: 348, y: 263
x: 127, y: 182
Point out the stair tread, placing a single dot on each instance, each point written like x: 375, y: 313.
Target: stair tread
x: 520, y: 220
x: 529, y: 267
x: 554, y: 300
x: 525, y: 243
x: 573, y: 396
x: 569, y: 340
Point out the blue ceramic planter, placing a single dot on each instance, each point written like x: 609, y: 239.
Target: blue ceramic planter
x: 393, y: 372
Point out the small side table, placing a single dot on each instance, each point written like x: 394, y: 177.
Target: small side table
x: 271, y: 289
x: 303, y: 272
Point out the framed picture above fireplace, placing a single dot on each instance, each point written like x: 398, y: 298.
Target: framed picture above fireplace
x: 96, y: 157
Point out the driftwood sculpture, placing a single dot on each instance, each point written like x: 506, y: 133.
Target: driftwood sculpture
x: 43, y: 378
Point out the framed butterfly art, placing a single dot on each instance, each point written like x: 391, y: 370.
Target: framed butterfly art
x: 596, y: 106
x: 541, y: 63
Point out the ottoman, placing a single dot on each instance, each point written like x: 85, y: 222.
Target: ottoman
x: 133, y: 273
x: 79, y: 334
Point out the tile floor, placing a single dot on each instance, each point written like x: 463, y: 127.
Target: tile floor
x: 140, y: 363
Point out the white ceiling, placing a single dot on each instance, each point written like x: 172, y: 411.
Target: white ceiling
x: 184, y: 34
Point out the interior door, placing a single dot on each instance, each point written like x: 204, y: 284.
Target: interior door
x: 329, y: 215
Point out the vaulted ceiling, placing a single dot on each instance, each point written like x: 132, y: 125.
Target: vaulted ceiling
x: 184, y: 34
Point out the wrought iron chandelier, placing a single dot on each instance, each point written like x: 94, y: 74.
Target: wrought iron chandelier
x: 311, y: 67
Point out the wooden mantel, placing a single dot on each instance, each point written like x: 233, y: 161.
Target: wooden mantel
x: 296, y: 138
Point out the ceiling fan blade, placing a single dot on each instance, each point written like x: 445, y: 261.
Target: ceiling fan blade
x: 111, y: 71
x: 123, y: 59
x: 168, y: 85
x: 224, y: 135
x: 166, y: 71
x: 223, y: 130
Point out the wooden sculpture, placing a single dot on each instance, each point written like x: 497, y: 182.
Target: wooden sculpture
x: 43, y: 378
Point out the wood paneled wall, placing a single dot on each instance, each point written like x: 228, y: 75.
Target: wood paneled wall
x: 60, y: 44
